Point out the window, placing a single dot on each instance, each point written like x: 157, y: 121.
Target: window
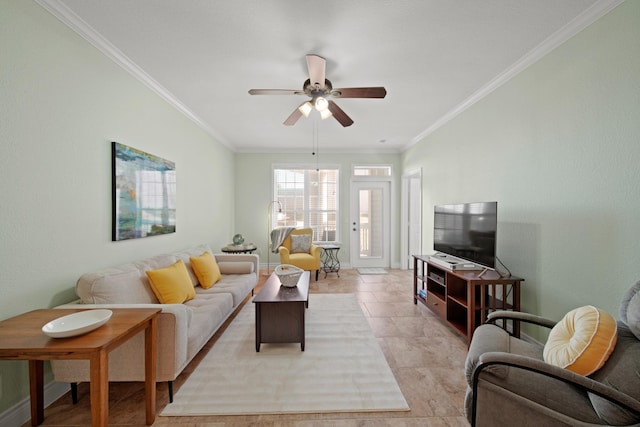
x: 309, y: 198
x: 360, y: 170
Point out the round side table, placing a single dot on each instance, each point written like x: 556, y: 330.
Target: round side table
x: 239, y: 249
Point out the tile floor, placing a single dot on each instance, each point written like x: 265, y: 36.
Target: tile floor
x: 426, y: 356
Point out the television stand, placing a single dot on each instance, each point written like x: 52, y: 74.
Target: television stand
x: 464, y: 299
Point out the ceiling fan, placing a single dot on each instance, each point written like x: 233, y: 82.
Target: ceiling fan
x: 318, y: 88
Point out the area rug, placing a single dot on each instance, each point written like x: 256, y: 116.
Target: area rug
x: 342, y: 368
x: 370, y: 270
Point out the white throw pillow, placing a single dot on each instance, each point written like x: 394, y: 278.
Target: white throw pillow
x: 300, y: 244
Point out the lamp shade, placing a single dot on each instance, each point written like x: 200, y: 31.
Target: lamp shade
x: 321, y: 103
x: 306, y: 108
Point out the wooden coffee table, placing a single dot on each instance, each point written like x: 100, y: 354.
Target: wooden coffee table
x: 280, y: 311
x: 21, y: 338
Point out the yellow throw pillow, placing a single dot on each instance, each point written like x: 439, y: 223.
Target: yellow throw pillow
x: 582, y: 341
x: 172, y: 284
x: 206, y: 269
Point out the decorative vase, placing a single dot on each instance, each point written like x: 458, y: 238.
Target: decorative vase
x: 238, y: 239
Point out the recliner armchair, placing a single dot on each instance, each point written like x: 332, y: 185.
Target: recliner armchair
x: 509, y: 383
x: 306, y: 257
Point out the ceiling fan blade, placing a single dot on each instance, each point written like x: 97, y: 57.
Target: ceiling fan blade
x: 316, y: 66
x: 360, y: 92
x: 293, y: 118
x: 340, y: 115
x: 275, y: 92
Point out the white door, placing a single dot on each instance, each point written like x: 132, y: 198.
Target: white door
x: 370, y: 224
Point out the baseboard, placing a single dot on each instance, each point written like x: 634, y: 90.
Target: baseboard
x: 20, y: 413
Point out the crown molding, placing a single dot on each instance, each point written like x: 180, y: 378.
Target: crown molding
x: 77, y: 24
x: 582, y: 21
x: 579, y: 23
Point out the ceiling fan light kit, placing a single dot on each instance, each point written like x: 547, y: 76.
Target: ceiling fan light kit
x: 319, y: 89
x: 321, y: 103
x: 306, y: 108
x: 325, y: 114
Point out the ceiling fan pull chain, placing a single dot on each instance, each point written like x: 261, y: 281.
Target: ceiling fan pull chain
x: 317, y: 147
x: 313, y: 137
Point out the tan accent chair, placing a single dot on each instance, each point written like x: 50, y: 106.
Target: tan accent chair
x: 306, y: 261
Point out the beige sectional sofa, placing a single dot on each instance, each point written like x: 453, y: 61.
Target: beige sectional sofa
x: 183, y: 329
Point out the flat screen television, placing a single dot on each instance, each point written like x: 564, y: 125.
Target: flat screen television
x: 467, y: 231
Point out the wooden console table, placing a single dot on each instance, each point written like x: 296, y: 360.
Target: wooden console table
x: 21, y: 338
x: 464, y: 299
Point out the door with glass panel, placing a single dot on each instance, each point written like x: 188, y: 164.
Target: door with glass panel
x: 370, y: 224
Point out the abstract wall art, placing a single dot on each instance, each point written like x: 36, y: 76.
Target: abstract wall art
x: 144, y: 194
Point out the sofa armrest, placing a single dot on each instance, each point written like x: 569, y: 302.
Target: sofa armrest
x: 284, y: 254
x: 252, y: 258
x: 315, y: 251
x: 523, y: 317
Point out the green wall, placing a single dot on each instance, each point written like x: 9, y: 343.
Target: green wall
x: 62, y: 103
x: 558, y: 147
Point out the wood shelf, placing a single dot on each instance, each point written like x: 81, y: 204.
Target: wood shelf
x: 464, y: 299
x: 461, y: 301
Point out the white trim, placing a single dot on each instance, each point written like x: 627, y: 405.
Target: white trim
x: 579, y: 23
x: 77, y: 24
x: 20, y: 413
x: 404, y: 215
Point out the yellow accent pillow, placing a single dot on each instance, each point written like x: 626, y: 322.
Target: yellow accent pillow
x: 582, y: 341
x: 172, y: 284
x: 206, y: 269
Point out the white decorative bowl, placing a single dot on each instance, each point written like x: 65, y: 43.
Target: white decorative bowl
x: 77, y: 323
x: 288, y: 275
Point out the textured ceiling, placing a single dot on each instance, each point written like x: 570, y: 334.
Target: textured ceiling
x: 435, y: 57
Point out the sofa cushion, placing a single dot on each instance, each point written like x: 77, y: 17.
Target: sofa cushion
x: 206, y: 269
x: 582, y: 341
x: 155, y: 262
x: 238, y: 285
x: 209, y: 312
x: 621, y: 372
x: 630, y: 309
x: 123, y: 285
x: 172, y: 284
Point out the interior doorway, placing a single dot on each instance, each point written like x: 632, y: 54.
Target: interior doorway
x: 411, y: 223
